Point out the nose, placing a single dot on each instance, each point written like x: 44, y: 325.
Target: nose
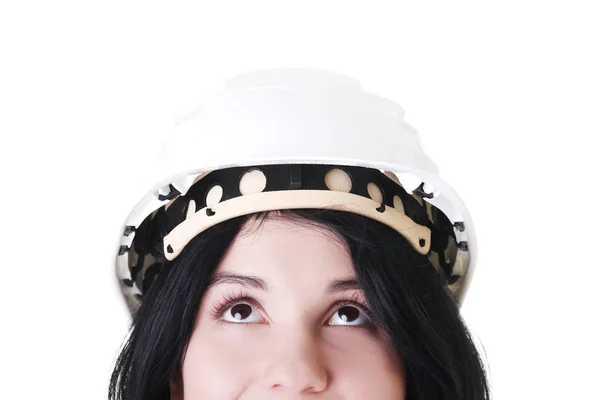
x: 295, y: 365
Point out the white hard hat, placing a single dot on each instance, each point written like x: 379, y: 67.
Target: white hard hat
x: 296, y: 116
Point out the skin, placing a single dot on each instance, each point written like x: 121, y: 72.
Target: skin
x: 291, y: 343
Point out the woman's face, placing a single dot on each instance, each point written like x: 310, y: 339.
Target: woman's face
x: 282, y: 319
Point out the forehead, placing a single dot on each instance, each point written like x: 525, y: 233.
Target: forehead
x: 288, y: 254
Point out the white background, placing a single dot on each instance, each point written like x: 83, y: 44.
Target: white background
x: 505, y: 95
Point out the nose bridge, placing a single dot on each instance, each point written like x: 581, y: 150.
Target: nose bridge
x: 295, y: 362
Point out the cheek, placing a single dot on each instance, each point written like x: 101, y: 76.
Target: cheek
x: 365, y: 367
x: 226, y: 362
x: 217, y: 364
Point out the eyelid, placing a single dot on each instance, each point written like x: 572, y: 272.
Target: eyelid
x: 231, y: 299
x: 361, y: 306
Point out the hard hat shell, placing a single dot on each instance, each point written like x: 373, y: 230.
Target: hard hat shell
x: 294, y: 115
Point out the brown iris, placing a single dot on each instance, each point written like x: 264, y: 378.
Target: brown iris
x: 348, y: 314
x: 241, y: 311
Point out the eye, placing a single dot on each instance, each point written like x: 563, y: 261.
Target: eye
x: 241, y: 312
x: 349, y: 315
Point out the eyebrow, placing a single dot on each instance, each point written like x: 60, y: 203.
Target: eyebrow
x: 243, y: 280
x: 253, y: 282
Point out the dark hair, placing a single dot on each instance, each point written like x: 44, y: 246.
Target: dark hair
x: 402, y: 288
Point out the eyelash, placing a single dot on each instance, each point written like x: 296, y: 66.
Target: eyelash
x: 230, y: 299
